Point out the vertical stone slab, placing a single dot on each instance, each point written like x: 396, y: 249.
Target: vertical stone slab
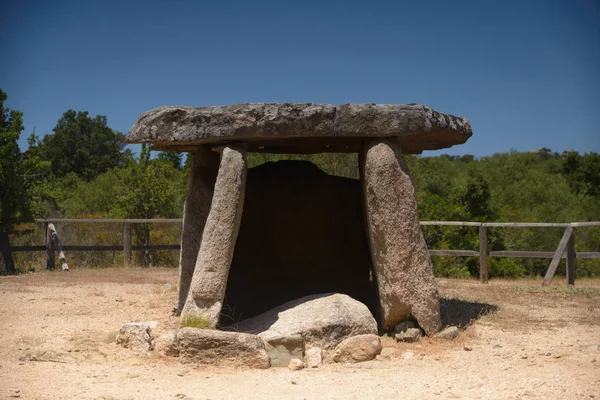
x: 401, y: 263
x: 203, y: 174
x: 209, y: 282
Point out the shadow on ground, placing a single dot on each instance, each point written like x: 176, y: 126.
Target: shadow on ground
x: 461, y: 313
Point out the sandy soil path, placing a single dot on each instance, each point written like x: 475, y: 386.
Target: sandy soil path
x: 58, y: 331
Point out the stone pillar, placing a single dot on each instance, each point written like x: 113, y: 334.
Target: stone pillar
x: 401, y: 263
x: 209, y: 282
x: 203, y: 174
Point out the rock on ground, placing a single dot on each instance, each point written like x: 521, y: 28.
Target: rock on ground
x: 296, y: 364
x: 450, y: 332
x: 314, y: 357
x: 321, y: 320
x: 208, y: 346
x: 302, y: 233
x: 282, y: 349
x: 137, y: 336
x: 357, y: 348
x: 410, y: 335
x: 401, y: 263
x: 166, y: 344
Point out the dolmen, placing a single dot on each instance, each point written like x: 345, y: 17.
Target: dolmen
x: 254, y: 239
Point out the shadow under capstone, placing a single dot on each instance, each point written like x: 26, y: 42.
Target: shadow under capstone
x: 461, y: 313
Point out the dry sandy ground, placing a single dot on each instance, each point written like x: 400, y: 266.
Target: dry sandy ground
x: 58, y: 329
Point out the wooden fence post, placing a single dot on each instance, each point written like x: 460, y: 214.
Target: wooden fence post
x: 483, y: 254
x: 558, y: 255
x: 126, y: 244
x: 571, y: 260
x: 50, y: 264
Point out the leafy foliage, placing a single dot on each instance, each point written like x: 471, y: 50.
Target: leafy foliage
x: 18, y: 172
x: 83, y: 145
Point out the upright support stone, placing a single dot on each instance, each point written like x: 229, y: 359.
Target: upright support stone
x: 209, y: 281
x: 401, y: 263
x: 203, y: 174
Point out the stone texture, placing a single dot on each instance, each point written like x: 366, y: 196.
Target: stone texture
x: 401, y: 263
x: 296, y: 364
x: 166, y: 344
x: 357, y: 348
x: 232, y: 349
x: 282, y: 349
x: 203, y: 174
x: 321, y: 320
x: 314, y: 357
x: 299, y: 127
x: 404, y: 326
x: 137, y: 336
x: 302, y: 233
x: 209, y: 281
x: 450, y: 332
x: 410, y: 335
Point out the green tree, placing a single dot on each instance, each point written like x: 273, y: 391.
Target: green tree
x: 152, y: 189
x: 83, y: 145
x: 171, y: 157
x: 17, y: 176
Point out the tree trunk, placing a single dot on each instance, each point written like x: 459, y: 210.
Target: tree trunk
x: 9, y: 264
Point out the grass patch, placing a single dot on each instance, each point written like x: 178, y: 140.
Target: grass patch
x: 190, y: 321
x: 556, y: 289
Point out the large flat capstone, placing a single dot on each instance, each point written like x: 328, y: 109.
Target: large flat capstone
x: 299, y: 127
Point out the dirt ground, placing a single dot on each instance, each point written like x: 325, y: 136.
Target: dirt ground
x: 57, y: 341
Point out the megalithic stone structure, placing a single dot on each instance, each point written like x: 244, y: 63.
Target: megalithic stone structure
x: 207, y: 290
x: 401, y: 263
x: 381, y: 133
x: 203, y: 175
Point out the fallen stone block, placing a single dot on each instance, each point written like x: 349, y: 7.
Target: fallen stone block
x: 233, y: 349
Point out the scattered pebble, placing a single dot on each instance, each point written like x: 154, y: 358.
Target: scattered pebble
x: 497, y: 346
x: 293, y: 382
x: 466, y: 348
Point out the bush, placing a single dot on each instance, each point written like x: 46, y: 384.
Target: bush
x: 506, y: 268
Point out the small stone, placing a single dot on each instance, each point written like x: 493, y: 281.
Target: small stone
x: 357, y: 348
x: 497, y: 346
x: 293, y: 382
x: 524, y: 357
x: 548, y: 354
x: 282, y: 349
x: 182, y: 373
x: 167, y: 344
x: 466, y: 348
x: 137, y: 336
x: 295, y: 364
x: 404, y: 326
x: 314, y: 357
x: 450, y: 332
x: 410, y: 335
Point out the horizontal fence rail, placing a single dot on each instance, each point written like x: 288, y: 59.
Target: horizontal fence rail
x: 565, y: 250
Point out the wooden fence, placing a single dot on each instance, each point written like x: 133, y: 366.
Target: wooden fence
x: 565, y: 249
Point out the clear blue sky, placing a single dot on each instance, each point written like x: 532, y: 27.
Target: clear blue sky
x: 526, y: 73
